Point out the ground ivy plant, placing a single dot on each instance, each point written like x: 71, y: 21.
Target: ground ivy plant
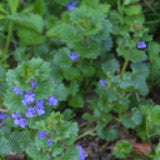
x: 61, y: 60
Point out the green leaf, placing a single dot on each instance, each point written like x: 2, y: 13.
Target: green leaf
x: 62, y: 2
x: 72, y: 74
x: 35, y: 154
x: 5, y: 148
x: 89, y: 117
x: 153, y: 50
x: 87, y: 70
x: 61, y: 58
x: 140, y: 73
x: 12, y: 5
x: 110, y: 66
x: 73, y: 88
x: 108, y: 135
x: 133, y: 10
x: 122, y: 148
x: 19, y: 141
x: 39, y: 7
x: 20, y: 54
x: 60, y: 91
x: 76, y: 101
x: 30, y: 37
x: 28, y: 20
x: 126, y: 2
x: 71, y: 153
x: 134, y: 121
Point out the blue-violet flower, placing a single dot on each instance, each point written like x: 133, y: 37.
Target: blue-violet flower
x: 103, y: 82
x: 141, y: 45
x: 34, y: 84
x: 71, y: 5
x: 28, y: 98
x: 3, y: 115
x: 74, y: 56
x: 81, y: 152
x: 30, y: 112
x: 18, y: 90
x: 49, y: 142
x: 52, y: 100
x: 18, y: 119
x: 40, y: 110
x: 42, y: 134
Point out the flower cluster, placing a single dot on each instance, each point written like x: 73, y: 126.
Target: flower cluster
x: 43, y: 135
x: 34, y: 106
x: 81, y: 152
x: 71, y: 5
x: 3, y: 115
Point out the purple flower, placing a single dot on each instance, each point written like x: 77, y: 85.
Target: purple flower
x: 16, y: 116
x: 40, y: 110
x: 52, y: 101
x: 3, y: 115
x: 28, y: 98
x: 71, y: 5
x: 81, y: 152
x: 103, y: 82
x: 39, y: 103
x: 141, y: 45
x: 49, y: 142
x: 42, y: 134
x: 74, y: 56
x: 144, y: 60
x: 18, y: 119
x: 23, y: 123
x: 34, y: 84
x: 18, y: 90
x: 30, y: 112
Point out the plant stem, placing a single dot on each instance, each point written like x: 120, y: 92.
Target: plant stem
x: 10, y: 29
x: 149, y: 6
x: 8, y: 38
x: 3, y: 110
x: 124, y: 68
x: 147, y: 131
x: 89, y: 132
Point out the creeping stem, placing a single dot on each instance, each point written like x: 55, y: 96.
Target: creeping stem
x: 124, y: 67
x: 10, y: 28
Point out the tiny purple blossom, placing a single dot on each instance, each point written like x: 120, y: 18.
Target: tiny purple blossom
x: 74, y: 56
x: 81, y: 152
x: 3, y: 115
x: 18, y: 119
x: 18, y: 90
x: 34, y: 84
x: 49, y: 142
x: 23, y: 123
x: 52, y: 100
x: 42, y: 134
x: 141, y: 45
x: 144, y: 60
x: 30, y: 112
x: 28, y: 98
x: 39, y: 103
x: 71, y: 5
x: 103, y: 82
x: 16, y: 116
x: 40, y: 110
